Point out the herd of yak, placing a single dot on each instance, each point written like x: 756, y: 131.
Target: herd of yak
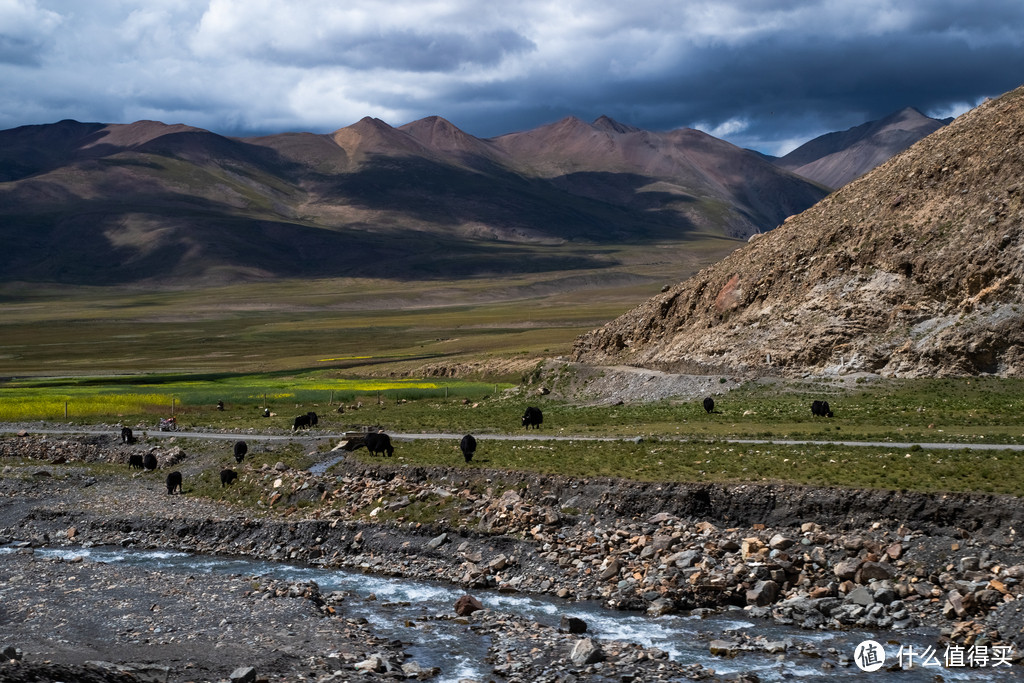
x: 377, y: 443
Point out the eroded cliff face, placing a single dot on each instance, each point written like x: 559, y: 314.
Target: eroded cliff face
x: 914, y: 270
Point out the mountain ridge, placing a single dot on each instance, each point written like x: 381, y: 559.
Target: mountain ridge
x: 170, y: 203
x: 834, y: 159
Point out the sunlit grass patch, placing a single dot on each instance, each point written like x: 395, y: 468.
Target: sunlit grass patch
x: 145, y: 395
x: 23, y: 406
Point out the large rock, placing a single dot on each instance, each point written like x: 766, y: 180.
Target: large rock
x: 572, y: 625
x: 763, y: 593
x: 243, y: 674
x: 585, y: 652
x: 466, y: 605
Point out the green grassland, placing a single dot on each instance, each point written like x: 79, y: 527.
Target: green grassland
x: 679, y: 441
x: 369, y: 328
x: 116, y: 355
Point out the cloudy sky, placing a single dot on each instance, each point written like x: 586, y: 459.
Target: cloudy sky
x: 765, y: 74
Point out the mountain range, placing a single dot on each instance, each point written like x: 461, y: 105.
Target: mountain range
x: 149, y: 203
x: 915, y: 269
x: 835, y: 159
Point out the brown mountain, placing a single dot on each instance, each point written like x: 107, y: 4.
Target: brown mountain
x: 90, y: 203
x: 835, y: 159
x: 915, y: 269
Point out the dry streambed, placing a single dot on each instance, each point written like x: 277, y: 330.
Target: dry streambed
x: 940, y: 565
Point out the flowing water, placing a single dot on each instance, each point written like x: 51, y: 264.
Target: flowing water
x: 460, y: 652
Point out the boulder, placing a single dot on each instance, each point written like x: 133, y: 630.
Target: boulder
x: 466, y: 605
x: 572, y: 625
x: 585, y: 652
x: 763, y: 593
x: 243, y: 674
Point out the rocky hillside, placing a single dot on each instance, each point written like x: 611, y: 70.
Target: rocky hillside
x: 916, y: 269
x: 89, y: 203
x: 835, y: 159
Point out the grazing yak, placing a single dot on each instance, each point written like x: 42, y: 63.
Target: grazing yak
x: 709, y: 405
x: 378, y: 443
x: 532, y: 417
x: 227, y: 477
x: 821, y: 409
x: 149, y: 461
x: 126, y: 435
x: 174, y: 482
x: 468, y: 447
x: 241, y: 448
x: 135, y: 462
x: 305, y: 421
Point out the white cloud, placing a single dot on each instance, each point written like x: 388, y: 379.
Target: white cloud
x: 26, y: 31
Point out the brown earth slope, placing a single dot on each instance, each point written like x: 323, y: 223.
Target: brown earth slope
x: 913, y: 270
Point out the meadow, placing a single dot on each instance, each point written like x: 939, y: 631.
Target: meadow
x: 117, y: 356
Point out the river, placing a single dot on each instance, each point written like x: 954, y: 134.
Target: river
x: 392, y: 604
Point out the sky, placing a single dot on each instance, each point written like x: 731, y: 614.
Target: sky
x: 763, y: 74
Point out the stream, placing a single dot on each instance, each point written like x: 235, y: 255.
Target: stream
x: 397, y: 602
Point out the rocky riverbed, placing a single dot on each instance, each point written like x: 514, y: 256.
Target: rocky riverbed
x: 816, y: 559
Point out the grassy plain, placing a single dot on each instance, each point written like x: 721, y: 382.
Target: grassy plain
x: 108, y: 355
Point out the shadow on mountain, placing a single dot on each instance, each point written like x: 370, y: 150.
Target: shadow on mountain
x: 601, y: 207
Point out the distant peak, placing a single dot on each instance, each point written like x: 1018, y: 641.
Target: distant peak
x: 371, y: 122
x: 433, y: 122
x: 609, y: 124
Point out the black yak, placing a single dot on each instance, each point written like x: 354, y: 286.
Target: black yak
x: 241, y: 448
x: 468, y: 447
x: 709, y: 405
x: 379, y: 443
x: 126, y: 435
x: 305, y: 421
x: 149, y: 461
x: 532, y: 417
x: 135, y: 462
x: 174, y: 482
x: 227, y: 477
x: 821, y: 409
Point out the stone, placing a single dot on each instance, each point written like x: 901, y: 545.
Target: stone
x: 860, y: 596
x: 243, y: 674
x: 724, y: 648
x: 780, y: 542
x: 954, y: 606
x: 847, y: 569
x: 609, y: 572
x: 873, y: 571
x: 572, y: 625
x: 466, y: 605
x: 373, y: 663
x: 585, y: 652
x: 437, y: 541
x: 763, y: 593
x: 661, y: 606
x: 969, y: 563
x: 11, y: 652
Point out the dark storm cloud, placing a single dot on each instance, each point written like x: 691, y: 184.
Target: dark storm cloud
x: 408, y: 51
x: 767, y: 74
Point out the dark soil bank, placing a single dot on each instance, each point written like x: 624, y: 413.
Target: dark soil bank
x: 809, y: 557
